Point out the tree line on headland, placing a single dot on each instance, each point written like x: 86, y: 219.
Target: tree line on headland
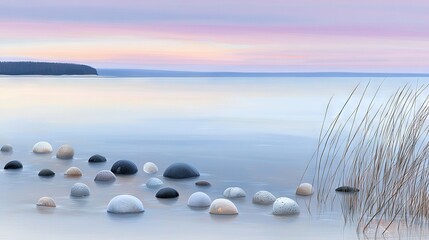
x: 45, y: 68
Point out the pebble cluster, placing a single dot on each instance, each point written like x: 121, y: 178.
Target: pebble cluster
x: 281, y: 206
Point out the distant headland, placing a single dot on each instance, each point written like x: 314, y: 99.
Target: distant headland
x: 45, y: 68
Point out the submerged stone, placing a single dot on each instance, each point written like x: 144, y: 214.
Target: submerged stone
x: 73, y: 172
x: 13, y: 165
x: 79, y: 190
x: 203, y: 183
x: 199, y: 199
x: 65, y: 152
x: 285, y: 206
x: 124, y: 167
x: 347, y: 189
x: 46, y: 202
x: 125, y: 204
x: 263, y: 198
x: 180, y: 171
x: 154, y: 183
x: 150, y: 168
x: 167, y: 193
x: 6, y: 148
x: 223, y: 206
x: 234, y: 192
x: 46, y: 173
x: 105, y: 176
x: 42, y: 147
x: 97, y: 159
x: 304, y: 189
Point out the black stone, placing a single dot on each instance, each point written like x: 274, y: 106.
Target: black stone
x: 96, y: 159
x: 347, y: 189
x: 124, y: 167
x: 46, y: 173
x: 13, y: 165
x: 181, y: 170
x: 167, y: 193
x: 202, y: 183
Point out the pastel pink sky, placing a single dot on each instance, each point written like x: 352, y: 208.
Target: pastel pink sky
x: 221, y: 35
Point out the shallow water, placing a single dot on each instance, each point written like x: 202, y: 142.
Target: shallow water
x: 256, y: 133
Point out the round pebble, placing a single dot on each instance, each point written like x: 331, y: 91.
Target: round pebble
x: 154, y: 183
x: 105, y: 176
x: 73, y: 172
x: 263, y: 198
x: 125, y: 204
x: 285, y: 206
x: 180, y: 171
x: 203, y: 183
x: 124, y: 167
x: 42, y: 147
x: 234, y: 192
x: 304, y: 189
x: 167, y: 193
x: 6, y: 148
x: 46, y: 173
x: 150, y: 168
x: 222, y: 206
x: 199, y: 199
x: 13, y: 165
x: 65, y: 152
x: 46, y: 202
x: 97, y: 159
x: 79, y: 190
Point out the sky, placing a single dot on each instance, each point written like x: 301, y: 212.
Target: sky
x: 220, y: 35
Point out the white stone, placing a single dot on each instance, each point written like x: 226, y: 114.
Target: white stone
x: 199, y: 199
x: 65, y: 152
x: 79, y: 190
x: 304, y: 189
x: 42, y: 147
x: 150, y: 168
x: 105, y: 176
x: 154, y: 182
x: 222, y: 206
x: 73, y: 172
x: 285, y: 206
x: 125, y: 204
x: 264, y: 198
x: 234, y: 192
x: 46, y: 202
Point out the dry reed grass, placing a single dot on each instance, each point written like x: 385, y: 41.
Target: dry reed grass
x: 381, y: 149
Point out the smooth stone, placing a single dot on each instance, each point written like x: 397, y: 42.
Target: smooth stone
x: 97, y: 159
x: 347, y: 189
x: 203, y: 183
x: 263, y: 198
x: 42, y: 147
x: 223, y: 206
x: 285, y: 206
x: 46, y: 173
x: 234, y: 192
x: 6, y: 148
x: 105, y: 176
x: 46, y: 202
x: 180, y: 171
x: 73, y: 172
x: 199, y: 199
x: 125, y: 204
x: 65, y: 152
x: 79, y: 190
x: 304, y: 189
x: 124, y: 167
x: 150, y: 168
x: 167, y: 192
x: 13, y: 165
x: 154, y: 183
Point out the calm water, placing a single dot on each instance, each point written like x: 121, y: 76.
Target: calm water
x: 254, y: 133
